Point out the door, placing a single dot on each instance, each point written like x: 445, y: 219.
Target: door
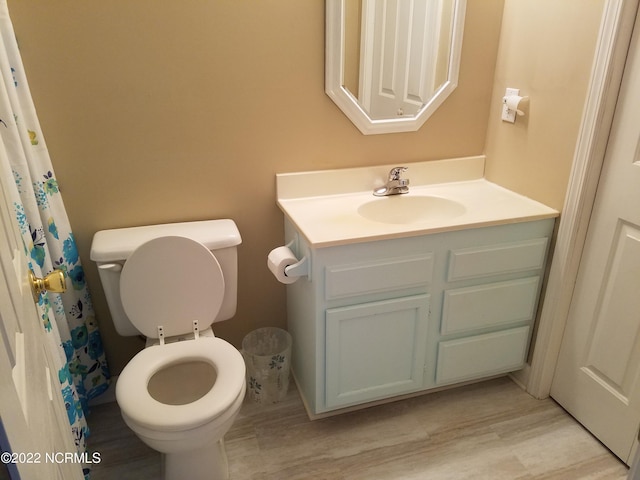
x: 399, y: 55
x: 31, y: 408
x: 597, y: 377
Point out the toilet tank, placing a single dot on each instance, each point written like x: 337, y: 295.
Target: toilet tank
x: 111, y: 248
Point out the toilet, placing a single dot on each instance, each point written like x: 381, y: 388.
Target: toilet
x: 182, y: 392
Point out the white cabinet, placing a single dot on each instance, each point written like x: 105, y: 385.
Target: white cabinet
x: 385, y: 318
x: 375, y: 349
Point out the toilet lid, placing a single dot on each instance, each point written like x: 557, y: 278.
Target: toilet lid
x: 171, y: 281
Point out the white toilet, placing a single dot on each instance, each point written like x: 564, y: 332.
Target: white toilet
x: 180, y: 394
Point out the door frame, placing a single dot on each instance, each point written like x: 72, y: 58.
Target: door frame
x: 611, y: 50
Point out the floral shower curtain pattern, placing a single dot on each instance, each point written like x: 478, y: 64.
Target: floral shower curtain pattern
x: 67, y: 318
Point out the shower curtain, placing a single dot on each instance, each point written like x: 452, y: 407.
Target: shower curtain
x: 68, y: 318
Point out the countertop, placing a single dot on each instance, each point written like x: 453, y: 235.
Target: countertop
x: 329, y: 220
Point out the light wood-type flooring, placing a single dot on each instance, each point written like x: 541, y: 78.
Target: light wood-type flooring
x: 491, y: 430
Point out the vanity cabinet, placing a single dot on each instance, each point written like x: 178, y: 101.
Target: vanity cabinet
x: 380, y: 319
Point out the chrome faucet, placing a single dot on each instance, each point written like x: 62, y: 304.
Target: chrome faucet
x: 395, y: 185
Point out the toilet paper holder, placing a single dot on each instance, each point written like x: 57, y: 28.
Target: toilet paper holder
x: 300, y: 269
x: 511, y: 105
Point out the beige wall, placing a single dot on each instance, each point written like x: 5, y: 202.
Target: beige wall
x: 546, y: 50
x: 158, y: 111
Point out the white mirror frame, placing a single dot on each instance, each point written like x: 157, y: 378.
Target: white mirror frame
x: 344, y: 99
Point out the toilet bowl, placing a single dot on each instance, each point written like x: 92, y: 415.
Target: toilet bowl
x: 182, y: 392
x: 158, y: 411
x: 184, y: 419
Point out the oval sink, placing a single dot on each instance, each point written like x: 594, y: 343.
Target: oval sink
x: 410, y: 209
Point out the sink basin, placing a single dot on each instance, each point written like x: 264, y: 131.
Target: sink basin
x: 403, y: 209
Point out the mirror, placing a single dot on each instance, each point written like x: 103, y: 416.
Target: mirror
x: 391, y: 63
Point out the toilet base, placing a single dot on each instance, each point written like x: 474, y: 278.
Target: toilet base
x: 209, y: 463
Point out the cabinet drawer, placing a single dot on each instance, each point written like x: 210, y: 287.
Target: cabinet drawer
x: 375, y: 350
x: 495, y: 259
x: 389, y: 274
x: 482, y: 355
x: 494, y: 304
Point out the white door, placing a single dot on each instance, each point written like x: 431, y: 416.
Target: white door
x: 31, y: 407
x: 398, y: 55
x: 597, y: 377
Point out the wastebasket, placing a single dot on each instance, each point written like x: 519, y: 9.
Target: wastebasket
x: 267, y: 355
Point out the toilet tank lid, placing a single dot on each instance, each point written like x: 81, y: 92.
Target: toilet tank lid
x: 118, y: 244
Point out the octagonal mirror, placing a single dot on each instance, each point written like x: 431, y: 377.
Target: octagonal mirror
x: 391, y: 63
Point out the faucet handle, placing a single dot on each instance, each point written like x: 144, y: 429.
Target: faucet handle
x: 395, y: 172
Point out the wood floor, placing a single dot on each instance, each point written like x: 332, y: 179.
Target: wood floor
x: 491, y: 431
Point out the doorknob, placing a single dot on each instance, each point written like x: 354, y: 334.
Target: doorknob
x: 54, y: 282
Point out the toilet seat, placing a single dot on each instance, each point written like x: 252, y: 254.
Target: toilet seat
x: 170, y: 282
x: 137, y: 403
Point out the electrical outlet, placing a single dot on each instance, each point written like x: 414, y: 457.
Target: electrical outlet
x: 509, y: 115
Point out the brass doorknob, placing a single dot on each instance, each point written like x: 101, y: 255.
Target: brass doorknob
x: 54, y: 282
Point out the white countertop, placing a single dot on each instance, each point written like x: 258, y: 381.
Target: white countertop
x: 328, y: 220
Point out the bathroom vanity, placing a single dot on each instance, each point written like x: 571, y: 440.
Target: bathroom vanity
x: 412, y: 292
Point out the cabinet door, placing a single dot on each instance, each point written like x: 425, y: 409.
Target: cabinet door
x: 375, y: 350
